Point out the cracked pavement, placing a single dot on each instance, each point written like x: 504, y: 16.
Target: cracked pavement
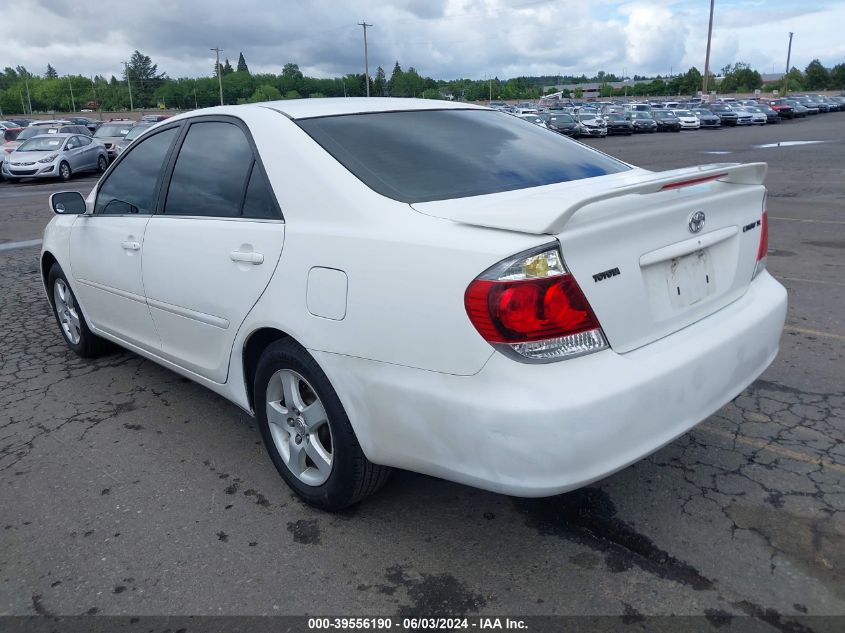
x: 128, y: 490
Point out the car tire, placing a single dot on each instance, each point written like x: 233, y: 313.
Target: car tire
x: 331, y: 477
x: 102, y: 164
x: 64, y: 171
x: 72, y: 323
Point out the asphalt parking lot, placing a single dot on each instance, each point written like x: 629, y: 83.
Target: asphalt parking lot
x: 127, y: 490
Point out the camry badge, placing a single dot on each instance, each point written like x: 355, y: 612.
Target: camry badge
x: 696, y: 221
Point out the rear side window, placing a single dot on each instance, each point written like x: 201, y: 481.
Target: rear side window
x: 420, y: 156
x: 258, y: 201
x: 211, y: 171
x: 131, y: 186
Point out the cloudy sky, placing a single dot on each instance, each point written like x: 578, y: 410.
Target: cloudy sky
x: 444, y: 39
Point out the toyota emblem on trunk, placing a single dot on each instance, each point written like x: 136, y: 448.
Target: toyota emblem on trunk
x: 696, y: 221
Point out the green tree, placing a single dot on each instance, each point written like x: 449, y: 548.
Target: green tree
x: 816, y: 76
x: 51, y: 73
x: 837, y: 77
x: 396, y: 83
x: 265, y: 92
x: 227, y: 68
x: 145, y: 78
x: 291, y: 71
x: 380, y: 83
x: 242, y: 67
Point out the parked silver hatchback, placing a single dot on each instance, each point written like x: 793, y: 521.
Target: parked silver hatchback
x: 55, y: 156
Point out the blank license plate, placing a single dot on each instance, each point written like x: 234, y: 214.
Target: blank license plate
x: 690, y: 279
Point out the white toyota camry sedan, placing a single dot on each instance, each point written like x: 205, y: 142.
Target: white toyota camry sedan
x: 425, y: 285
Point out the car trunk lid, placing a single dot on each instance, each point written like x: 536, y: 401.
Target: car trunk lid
x: 652, y: 252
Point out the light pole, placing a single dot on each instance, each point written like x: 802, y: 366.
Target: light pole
x: 129, y: 85
x: 366, y: 56
x: 219, y: 73
x: 28, y: 98
x: 72, y: 101
x: 707, y: 56
x: 786, y: 74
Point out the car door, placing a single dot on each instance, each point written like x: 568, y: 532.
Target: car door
x: 88, y: 152
x: 211, y: 249
x: 74, y: 155
x: 106, y: 245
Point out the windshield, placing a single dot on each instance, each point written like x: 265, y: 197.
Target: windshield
x: 664, y: 115
x: 136, y: 131
x: 614, y: 117
x: 586, y: 116
x: 425, y: 155
x: 561, y: 118
x: 112, y: 130
x: 42, y: 144
x: 640, y: 115
x: 703, y: 112
x: 35, y: 131
x: 683, y: 113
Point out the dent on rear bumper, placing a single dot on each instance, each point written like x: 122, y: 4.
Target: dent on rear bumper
x: 538, y: 430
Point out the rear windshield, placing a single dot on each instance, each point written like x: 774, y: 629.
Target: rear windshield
x: 113, y: 130
x: 420, y: 156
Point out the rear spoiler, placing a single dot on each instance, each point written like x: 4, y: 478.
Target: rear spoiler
x: 547, y: 209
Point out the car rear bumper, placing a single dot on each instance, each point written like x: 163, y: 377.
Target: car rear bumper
x: 538, y: 430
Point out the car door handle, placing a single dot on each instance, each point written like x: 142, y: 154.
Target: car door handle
x: 251, y: 257
x: 130, y: 245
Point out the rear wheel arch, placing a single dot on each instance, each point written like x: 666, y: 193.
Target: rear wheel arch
x: 254, y: 346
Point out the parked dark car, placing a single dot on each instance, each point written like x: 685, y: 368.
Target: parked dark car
x: 707, y: 118
x: 642, y: 121
x: 618, y: 124
x: 783, y: 108
x: 808, y: 104
x: 91, y: 124
x: 563, y: 123
x: 771, y: 115
x: 799, y: 109
x: 666, y: 121
x: 21, y: 122
x: 725, y: 114
x: 10, y: 134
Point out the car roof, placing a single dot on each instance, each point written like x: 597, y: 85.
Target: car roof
x: 335, y: 106
x: 56, y: 135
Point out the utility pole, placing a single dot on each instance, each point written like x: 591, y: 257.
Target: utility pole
x: 196, y: 105
x: 72, y: 101
x: 23, y: 105
x: 707, y: 56
x: 366, y: 58
x: 786, y: 75
x: 490, y: 87
x: 219, y: 73
x: 28, y: 98
x: 129, y: 85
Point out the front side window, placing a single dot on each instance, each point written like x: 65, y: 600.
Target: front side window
x: 211, y: 171
x: 131, y: 187
x: 425, y: 155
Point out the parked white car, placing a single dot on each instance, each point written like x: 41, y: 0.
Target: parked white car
x: 757, y: 117
x: 424, y: 285
x: 689, y: 121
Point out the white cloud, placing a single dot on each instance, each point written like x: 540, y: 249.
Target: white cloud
x: 441, y: 38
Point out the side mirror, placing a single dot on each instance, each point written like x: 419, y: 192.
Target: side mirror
x: 68, y: 203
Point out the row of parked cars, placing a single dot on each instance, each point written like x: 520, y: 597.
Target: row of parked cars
x: 64, y: 147
x: 599, y: 119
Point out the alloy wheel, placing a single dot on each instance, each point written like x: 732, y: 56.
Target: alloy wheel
x: 67, y: 311
x: 299, y: 427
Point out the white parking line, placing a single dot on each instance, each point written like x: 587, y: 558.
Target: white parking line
x: 803, y: 330
x: 10, y: 246
x: 809, y: 221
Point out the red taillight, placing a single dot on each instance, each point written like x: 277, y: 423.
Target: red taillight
x: 764, y: 237
x: 529, y: 309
